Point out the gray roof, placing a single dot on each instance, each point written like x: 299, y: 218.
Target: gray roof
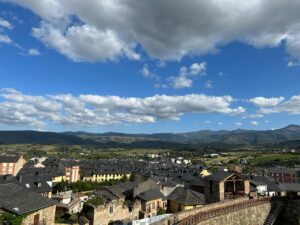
x: 294, y: 187
x: 271, y: 184
x: 9, y: 158
x: 219, y: 176
x: 18, y: 200
x: 187, y: 196
x: 151, y: 195
x: 282, y: 170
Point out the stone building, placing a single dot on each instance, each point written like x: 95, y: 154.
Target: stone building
x: 34, y: 208
x: 113, y: 212
x: 225, y: 185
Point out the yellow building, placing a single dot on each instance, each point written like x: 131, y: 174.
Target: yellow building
x: 101, y: 177
x: 204, y: 173
x: 184, y: 199
x: 58, y: 179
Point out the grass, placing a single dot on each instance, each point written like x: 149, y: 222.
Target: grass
x: 269, y: 159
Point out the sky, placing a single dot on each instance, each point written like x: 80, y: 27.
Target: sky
x: 149, y: 66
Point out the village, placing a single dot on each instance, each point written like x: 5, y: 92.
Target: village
x: 45, y: 190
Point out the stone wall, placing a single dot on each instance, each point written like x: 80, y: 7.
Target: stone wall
x: 46, y: 216
x: 232, y: 218
x: 248, y: 216
x: 104, y: 214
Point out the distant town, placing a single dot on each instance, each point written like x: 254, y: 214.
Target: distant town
x: 154, y: 187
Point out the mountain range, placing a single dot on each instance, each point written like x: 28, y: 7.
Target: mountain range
x: 287, y: 136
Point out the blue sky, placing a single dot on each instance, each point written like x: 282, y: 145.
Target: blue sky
x: 61, y: 64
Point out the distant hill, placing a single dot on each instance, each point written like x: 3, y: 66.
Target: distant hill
x: 36, y: 137
x: 287, y: 136
x: 235, y: 137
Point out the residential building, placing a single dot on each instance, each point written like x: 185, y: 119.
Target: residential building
x: 184, y: 199
x: 11, y: 164
x: 151, y: 201
x: 70, y: 170
x: 18, y: 201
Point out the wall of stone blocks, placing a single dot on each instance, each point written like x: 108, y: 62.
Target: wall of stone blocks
x: 47, y: 216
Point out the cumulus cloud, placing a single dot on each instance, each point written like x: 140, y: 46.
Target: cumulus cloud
x: 167, y: 30
x: 4, y: 23
x: 198, y: 68
x: 186, y: 75
x: 180, y: 81
x: 5, y: 39
x: 17, y: 108
x: 290, y: 106
x: 145, y: 71
x: 266, y: 102
x: 85, y: 43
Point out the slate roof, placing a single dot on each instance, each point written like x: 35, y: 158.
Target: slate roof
x: 280, y: 170
x: 9, y: 158
x: 37, y: 184
x: 17, y: 200
x: 219, y: 176
x: 8, y: 179
x: 271, y: 184
x: 187, y: 196
x: 257, y: 183
x: 294, y: 187
x: 115, y: 192
x: 151, y: 195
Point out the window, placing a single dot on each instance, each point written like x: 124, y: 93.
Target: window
x: 111, y: 209
x: 153, y: 205
x: 4, y: 167
x: 10, y: 168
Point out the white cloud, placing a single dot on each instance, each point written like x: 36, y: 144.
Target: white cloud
x: 293, y: 64
x: 180, y: 81
x: 290, y: 106
x: 17, y: 108
x: 4, y: 23
x: 33, y: 52
x: 208, y: 84
x: 198, y: 68
x: 266, y: 102
x: 254, y: 123
x: 186, y: 75
x: 5, y: 39
x: 85, y: 43
x: 145, y: 71
x: 238, y: 124
x: 207, y: 121
x: 220, y: 123
x: 161, y: 64
x: 167, y: 30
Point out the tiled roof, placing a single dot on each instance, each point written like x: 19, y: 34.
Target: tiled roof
x: 17, y: 200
